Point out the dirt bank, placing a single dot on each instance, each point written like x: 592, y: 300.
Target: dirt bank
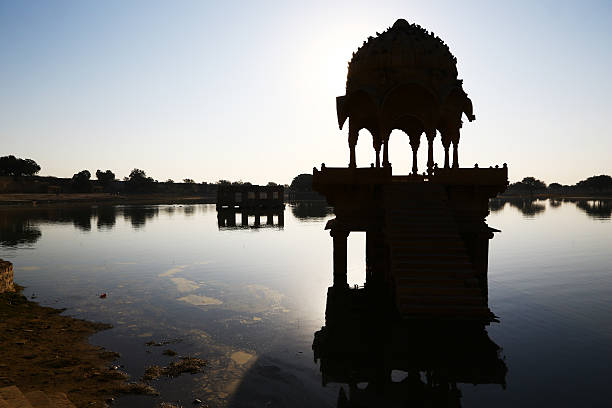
x: 42, y: 350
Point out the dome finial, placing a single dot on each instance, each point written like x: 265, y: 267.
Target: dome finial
x: 400, y: 23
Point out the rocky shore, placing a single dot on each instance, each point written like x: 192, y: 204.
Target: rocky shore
x: 6, y: 277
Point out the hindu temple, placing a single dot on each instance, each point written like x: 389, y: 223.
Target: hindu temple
x: 423, y: 306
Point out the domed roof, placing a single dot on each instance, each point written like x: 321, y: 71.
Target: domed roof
x: 404, y: 53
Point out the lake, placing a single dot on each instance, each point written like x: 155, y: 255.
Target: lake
x: 249, y: 298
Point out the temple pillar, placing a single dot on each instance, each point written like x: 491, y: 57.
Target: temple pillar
x: 257, y: 220
x: 375, y: 257
x: 414, y: 144
x: 455, y: 155
x: 340, y: 263
x: 446, y: 162
x: 352, y: 140
x: 281, y: 218
x: 386, y: 153
x: 430, y: 160
x: 377, y: 148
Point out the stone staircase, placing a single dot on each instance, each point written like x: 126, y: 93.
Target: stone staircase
x: 12, y: 397
x: 434, y: 277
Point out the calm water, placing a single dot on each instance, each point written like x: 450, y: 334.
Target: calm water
x: 249, y: 300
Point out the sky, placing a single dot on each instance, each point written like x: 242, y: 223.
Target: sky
x: 246, y: 90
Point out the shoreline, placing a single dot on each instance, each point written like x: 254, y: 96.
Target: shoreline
x: 33, y: 200
x: 43, y: 350
x: 553, y: 197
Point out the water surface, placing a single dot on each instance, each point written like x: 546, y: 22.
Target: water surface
x: 248, y: 299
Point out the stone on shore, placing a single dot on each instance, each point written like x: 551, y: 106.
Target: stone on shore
x: 6, y: 277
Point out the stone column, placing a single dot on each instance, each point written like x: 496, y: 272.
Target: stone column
x: 446, y: 162
x: 244, y: 219
x: 231, y: 219
x: 340, y: 236
x: 377, y: 148
x: 414, y: 144
x: 386, y: 153
x: 352, y: 140
x: 430, y: 160
x: 455, y: 155
x: 281, y: 218
x: 257, y: 220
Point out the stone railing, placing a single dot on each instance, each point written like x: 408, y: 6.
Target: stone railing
x: 6, y: 277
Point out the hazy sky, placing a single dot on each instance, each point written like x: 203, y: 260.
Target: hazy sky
x: 246, y: 90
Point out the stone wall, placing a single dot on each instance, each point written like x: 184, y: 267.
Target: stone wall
x: 6, y: 277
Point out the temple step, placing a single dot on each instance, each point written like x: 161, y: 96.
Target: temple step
x: 437, y: 291
x: 428, y: 281
x: 410, y: 310
x: 430, y: 265
x: 60, y: 400
x: 39, y: 399
x: 14, y: 398
x: 442, y: 300
x: 460, y: 275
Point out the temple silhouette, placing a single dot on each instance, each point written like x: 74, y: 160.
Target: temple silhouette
x: 423, y: 307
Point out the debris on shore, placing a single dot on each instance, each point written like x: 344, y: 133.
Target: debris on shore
x: 190, y: 365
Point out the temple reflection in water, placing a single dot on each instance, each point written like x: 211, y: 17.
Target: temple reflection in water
x: 236, y: 218
x: 417, y: 327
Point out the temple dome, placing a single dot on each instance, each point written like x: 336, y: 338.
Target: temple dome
x: 404, y: 53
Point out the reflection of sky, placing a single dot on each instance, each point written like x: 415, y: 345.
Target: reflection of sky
x: 549, y: 282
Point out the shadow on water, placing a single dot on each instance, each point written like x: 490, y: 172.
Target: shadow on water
x: 304, y: 210
x: 235, y: 218
x: 19, y: 226
x: 17, y: 231
x: 138, y: 215
x: 531, y: 207
x: 598, y: 209
x: 371, y: 358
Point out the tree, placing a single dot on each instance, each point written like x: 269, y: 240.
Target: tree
x: 188, y: 181
x: 80, y: 181
x: 170, y: 181
x: 533, y: 184
x: 139, y: 182
x: 302, y: 182
x: 595, y: 184
x: 224, y: 182
x: 271, y: 184
x: 105, y: 177
x: 13, y: 166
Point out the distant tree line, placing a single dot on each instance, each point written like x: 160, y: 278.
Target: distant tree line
x: 14, y: 166
x: 595, y: 185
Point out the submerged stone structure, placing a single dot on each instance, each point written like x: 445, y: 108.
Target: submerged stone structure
x: 426, y: 235
x: 250, y: 196
x: 6, y: 277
